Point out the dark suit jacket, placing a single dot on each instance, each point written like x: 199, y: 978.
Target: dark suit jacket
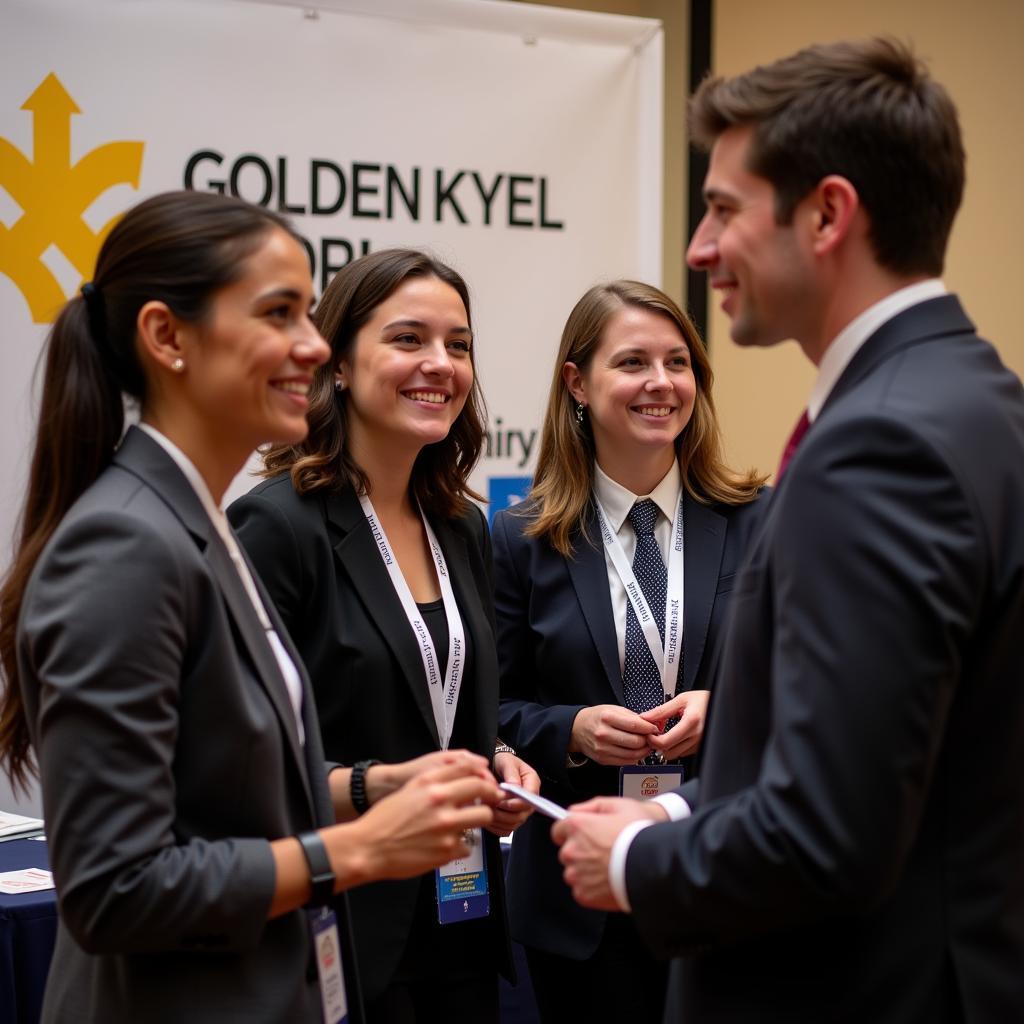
x: 858, y: 849
x: 558, y: 651
x: 169, y: 757
x: 322, y: 567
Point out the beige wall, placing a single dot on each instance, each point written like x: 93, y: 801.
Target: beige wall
x: 674, y: 16
x: 975, y: 50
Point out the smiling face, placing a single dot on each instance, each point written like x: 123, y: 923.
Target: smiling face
x: 759, y: 267
x: 249, y: 362
x: 409, y: 370
x: 638, y: 388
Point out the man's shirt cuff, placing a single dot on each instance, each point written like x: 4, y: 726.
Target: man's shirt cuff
x: 617, y: 861
x: 675, y: 806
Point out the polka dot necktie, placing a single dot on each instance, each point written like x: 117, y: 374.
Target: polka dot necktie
x: 641, y: 675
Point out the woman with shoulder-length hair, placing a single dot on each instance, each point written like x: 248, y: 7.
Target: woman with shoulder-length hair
x: 611, y: 591
x: 187, y: 802
x: 380, y: 566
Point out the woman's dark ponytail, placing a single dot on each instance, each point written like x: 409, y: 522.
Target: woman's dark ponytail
x: 179, y: 248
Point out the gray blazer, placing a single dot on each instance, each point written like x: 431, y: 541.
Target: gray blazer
x: 169, y: 757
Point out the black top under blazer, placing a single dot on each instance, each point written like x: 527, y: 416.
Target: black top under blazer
x: 558, y: 652
x: 318, y: 559
x: 169, y: 756
x: 857, y: 850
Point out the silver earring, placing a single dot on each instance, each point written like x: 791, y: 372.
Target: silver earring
x: 579, y: 413
x: 339, y: 384
x: 178, y: 365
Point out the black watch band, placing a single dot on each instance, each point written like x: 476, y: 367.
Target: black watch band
x: 357, y: 785
x: 321, y: 876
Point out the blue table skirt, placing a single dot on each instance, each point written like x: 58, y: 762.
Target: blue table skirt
x: 28, y: 930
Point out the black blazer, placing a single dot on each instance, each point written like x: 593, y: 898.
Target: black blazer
x: 558, y: 652
x: 169, y: 756
x: 857, y: 853
x: 321, y: 565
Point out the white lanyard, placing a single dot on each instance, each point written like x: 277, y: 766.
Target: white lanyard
x: 444, y: 694
x: 665, y: 657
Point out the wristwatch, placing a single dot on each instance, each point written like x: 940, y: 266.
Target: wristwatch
x: 321, y: 875
x: 357, y: 785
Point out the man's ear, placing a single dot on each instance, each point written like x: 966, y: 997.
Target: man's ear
x: 834, y: 207
x: 574, y: 382
x: 160, y: 334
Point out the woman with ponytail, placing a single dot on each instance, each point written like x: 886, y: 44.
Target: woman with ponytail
x: 189, y: 811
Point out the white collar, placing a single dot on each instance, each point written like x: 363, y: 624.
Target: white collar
x: 617, y: 500
x: 188, y: 468
x: 848, y: 341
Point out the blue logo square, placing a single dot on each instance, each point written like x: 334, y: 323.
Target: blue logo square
x: 504, y: 492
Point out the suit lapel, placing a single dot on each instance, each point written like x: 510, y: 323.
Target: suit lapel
x: 589, y: 574
x: 144, y: 458
x: 703, y: 545
x: 313, y: 747
x: 268, y: 670
x: 359, y: 555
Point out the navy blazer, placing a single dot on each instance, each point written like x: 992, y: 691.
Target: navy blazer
x: 857, y: 852
x: 558, y: 652
x: 169, y: 756
x: 318, y: 559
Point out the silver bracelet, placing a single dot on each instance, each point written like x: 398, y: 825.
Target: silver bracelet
x: 503, y: 748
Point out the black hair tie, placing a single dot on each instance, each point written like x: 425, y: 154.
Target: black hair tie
x: 94, y: 307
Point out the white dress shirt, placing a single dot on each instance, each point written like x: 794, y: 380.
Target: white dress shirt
x: 292, y: 679
x: 846, y: 344
x: 616, y: 501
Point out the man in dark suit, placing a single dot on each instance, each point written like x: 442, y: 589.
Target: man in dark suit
x: 855, y: 850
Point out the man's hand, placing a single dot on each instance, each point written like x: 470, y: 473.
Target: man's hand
x: 586, y: 842
x: 611, y: 734
x: 622, y: 807
x: 691, y: 708
x: 511, y: 812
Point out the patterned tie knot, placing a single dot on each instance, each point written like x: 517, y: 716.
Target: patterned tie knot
x: 642, y: 517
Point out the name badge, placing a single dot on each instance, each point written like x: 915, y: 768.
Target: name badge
x: 644, y: 781
x: 462, y: 892
x: 324, y: 925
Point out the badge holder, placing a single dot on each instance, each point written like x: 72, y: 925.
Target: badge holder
x: 646, y: 781
x: 324, y: 926
x: 462, y: 892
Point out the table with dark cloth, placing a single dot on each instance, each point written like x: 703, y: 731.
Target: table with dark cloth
x: 28, y: 929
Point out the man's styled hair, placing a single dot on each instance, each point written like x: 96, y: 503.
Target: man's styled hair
x: 867, y: 111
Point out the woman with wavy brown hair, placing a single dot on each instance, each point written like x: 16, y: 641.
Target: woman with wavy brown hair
x: 611, y: 591
x: 380, y: 566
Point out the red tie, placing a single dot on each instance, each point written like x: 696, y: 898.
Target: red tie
x: 791, y: 445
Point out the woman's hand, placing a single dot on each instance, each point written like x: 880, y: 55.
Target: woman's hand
x: 684, y: 737
x: 611, y: 734
x: 384, y: 779
x: 419, y: 827
x: 512, y: 812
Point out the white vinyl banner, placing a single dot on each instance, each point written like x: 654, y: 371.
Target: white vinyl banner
x: 521, y: 144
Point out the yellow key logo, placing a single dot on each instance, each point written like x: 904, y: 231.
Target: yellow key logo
x: 53, y: 195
